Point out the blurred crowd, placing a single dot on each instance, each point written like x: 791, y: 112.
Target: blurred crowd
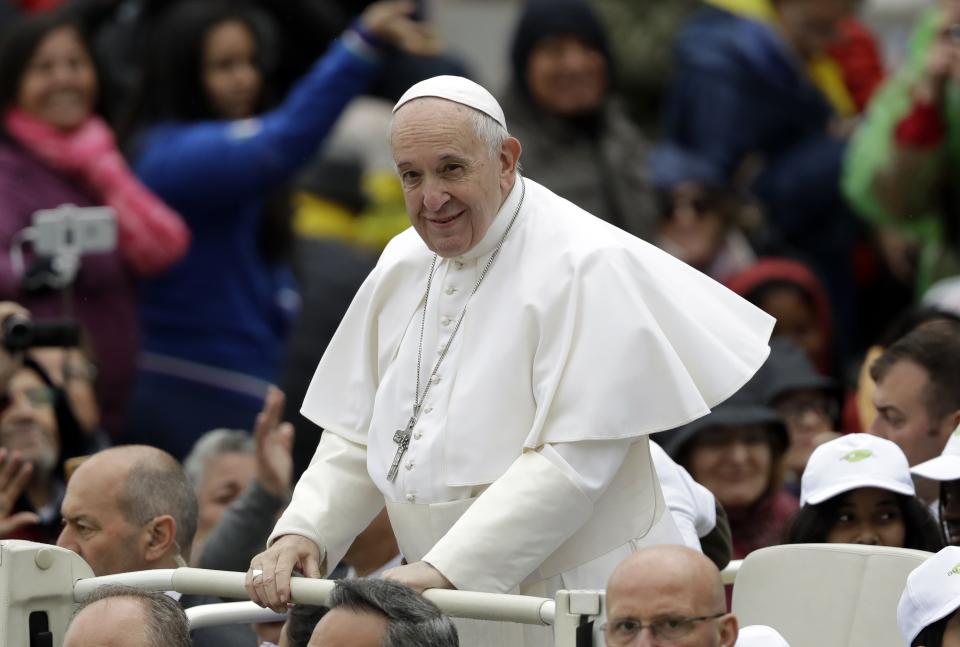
x: 771, y: 144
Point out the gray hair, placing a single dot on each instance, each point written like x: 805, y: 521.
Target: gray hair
x: 156, y: 485
x: 488, y: 131
x: 412, y: 620
x: 166, y: 624
x: 213, y: 444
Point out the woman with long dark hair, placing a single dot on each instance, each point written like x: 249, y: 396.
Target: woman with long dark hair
x: 214, y: 326
x: 857, y: 489
x: 55, y: 149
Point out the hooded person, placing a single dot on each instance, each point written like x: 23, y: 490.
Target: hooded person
x: 577, y: 139
x: 497, y: 376
x: 792, y: 293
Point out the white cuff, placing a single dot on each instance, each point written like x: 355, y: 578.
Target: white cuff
x: 334, y: 499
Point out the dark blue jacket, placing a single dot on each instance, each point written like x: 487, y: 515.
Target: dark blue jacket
x: 223, y: 305
x: 738, y: 91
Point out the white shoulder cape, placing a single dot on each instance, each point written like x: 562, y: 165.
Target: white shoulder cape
x: 579, y: 332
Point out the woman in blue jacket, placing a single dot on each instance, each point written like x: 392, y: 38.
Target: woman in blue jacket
x: 214, y: 325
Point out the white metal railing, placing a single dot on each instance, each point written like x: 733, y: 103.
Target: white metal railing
x: 226, y: 584
x: 37, y: 577
x: 565, y: 613
x: 230, y: 613
x: 48, y: 580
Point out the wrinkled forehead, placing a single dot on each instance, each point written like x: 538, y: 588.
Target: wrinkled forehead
x: 431, y: 110
x: 434, y: 125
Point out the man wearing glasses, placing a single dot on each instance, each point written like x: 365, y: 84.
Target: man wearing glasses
x: 668, y: 596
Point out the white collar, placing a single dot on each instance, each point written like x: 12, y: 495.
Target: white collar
x: 497, y: 228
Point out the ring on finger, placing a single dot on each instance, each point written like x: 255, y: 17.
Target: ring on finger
x: 255, y: 573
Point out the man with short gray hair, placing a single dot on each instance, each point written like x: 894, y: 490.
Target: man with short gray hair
x: 382, y: 613
x: 122, y: 616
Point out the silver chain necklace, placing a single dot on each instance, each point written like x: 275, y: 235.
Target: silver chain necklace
x: 402, y: 436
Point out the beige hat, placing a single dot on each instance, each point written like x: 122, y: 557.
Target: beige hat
x: 459, y: 90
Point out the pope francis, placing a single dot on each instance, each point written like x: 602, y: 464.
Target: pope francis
x: 496, y: 378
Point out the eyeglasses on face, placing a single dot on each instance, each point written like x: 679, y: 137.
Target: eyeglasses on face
x: 623, y: 631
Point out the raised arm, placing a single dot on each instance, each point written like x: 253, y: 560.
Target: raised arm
x: 216, y: 161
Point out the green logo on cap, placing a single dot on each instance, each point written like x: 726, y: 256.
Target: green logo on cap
x: 954, y: 571
x: 857, y: 455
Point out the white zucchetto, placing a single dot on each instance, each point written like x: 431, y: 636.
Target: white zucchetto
x: 459, y: 90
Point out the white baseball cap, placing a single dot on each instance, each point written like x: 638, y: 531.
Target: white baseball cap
x: 459, y: 90
x: 760, y: 636
x: 946, y: 466
x: 932, y: 593
x: 851, y: 462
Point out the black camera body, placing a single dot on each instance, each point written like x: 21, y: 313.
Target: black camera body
x: 20, y: 333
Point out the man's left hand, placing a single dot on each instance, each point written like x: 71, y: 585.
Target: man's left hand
x: 419, y: 576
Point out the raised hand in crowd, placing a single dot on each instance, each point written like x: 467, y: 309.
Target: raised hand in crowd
x: 274, y: 443
x: 391, y: 21
x: 14, y: 475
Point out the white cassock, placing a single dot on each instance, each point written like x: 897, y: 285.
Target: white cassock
x: 529, y: 469
x: 692, y: 506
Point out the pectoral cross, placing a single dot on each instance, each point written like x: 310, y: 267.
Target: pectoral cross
x: 402, y: 438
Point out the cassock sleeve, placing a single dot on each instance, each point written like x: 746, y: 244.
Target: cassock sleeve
x: 334, y: 499
x: 526, y: 514
x: 693, y: 506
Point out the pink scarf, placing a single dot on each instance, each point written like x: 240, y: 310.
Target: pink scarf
x: 151, y: 235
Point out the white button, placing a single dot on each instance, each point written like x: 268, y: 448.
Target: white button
x: 409, y: 465
x: 411, y: 498
x: 446, y: 321
x: 450, y: 290
x: 428, y: 410
x: 417, y: 435
x: 441, y: 347
x: 435, y: 379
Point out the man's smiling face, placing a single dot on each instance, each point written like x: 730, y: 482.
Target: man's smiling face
x: 453, y: 184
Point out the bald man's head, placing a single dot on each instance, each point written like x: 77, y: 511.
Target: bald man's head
x: 129, y: 508
x: 668, y: 583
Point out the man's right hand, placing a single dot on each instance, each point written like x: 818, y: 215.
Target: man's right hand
x: 271, y: 586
